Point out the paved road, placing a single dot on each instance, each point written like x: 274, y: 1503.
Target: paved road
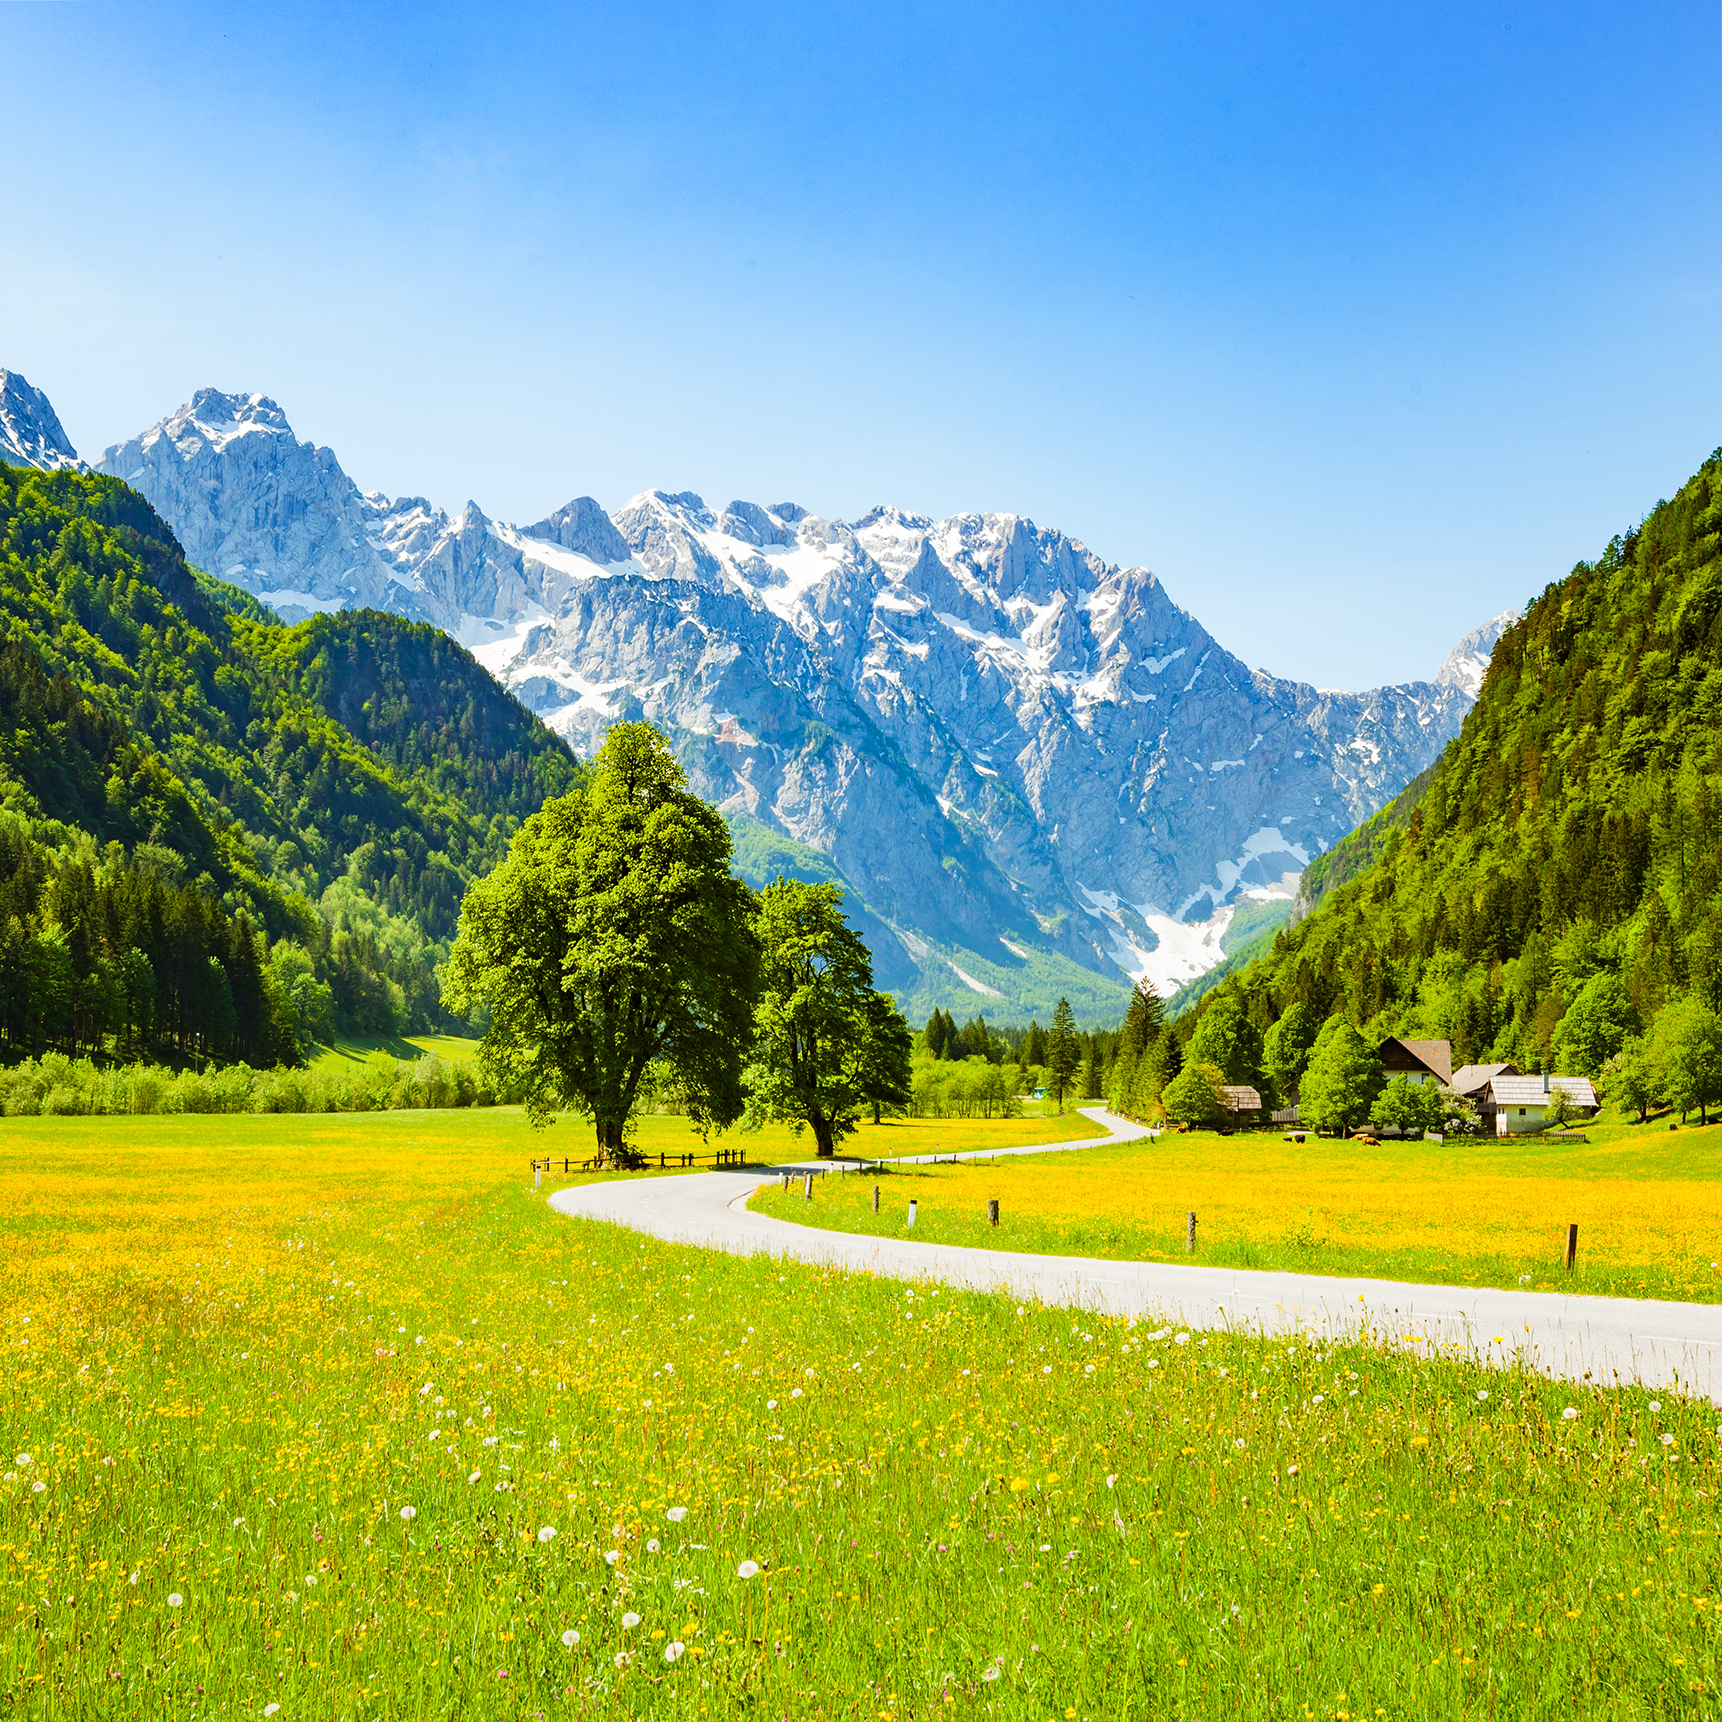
x: 1657, y: 1344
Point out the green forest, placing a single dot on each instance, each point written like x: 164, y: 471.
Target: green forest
x: 222, y: 838
x: 1550, y: 892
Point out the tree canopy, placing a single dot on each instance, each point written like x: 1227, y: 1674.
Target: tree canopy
x: 613, y: 935
x: 825, y: 1038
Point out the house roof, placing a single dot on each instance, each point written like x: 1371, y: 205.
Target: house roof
x: 1472, y: 1078
x: 1435, y: 1056
x: 1529, y: 1090
x: 1238, y: 1098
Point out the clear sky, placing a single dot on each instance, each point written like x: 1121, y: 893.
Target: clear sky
x: 1357, y: 323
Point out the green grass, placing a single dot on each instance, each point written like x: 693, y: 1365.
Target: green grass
x: 1647, y: 1202
x: 351, y: 1049
x: 225, y: 1344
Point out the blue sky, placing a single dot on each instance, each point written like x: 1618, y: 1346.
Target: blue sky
x: 1356, y: 323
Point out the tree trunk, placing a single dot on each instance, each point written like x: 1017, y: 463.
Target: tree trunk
x: 609, y: 1132
x: 822, y: 1134
x: 875, y: 1111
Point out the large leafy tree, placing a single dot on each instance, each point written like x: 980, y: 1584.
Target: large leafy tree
x: 1226, y: 1037
x: 883, y: 1072
x: 611, y: 937
x: 1193, y: 1095
x: 819, y: 1023
x: 1342, y: 1080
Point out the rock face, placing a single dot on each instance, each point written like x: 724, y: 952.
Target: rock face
x: 1036, y: 772
x: 30, y: 431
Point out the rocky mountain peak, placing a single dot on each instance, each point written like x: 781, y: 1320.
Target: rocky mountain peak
x: 1468, y: 662
x: 30, y: 430
x: 583, y: 527
x: 1035, y: 772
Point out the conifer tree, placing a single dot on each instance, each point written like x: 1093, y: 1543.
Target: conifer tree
x: 1063, y: 1050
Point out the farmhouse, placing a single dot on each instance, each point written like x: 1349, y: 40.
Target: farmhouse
x: 1514, y: 1105
x: 1471, y: 1079
x: 1417, y: 1060
x: 1240, y: 1102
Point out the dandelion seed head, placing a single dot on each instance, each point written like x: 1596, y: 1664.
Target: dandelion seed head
x: 571, y: 1638
x: 747, y: 1569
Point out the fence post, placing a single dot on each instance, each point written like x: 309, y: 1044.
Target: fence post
x: 1572, y: 1246
x: 786, y: 1181
x: 1190, y: 1234
x: 807, y: 1193
x: 911, y: 1210
x: 537, y: 1176
x: 993, y: 1211
x: 875, y: 1198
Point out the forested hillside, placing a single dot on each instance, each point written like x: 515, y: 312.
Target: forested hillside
x: 219, y: 835
x: 1551, y: 892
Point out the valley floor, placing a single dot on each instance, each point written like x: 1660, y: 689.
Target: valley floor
x: 1469, y: 1212
x: 337, y: 1415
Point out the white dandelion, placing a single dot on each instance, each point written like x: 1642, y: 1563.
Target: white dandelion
x: 629, y: 1621
x: 547, y: 1534
x: 571, y: 1638
x: 673, y: 1650
x: 747, y: 1569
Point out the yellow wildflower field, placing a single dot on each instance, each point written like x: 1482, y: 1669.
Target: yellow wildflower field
x: 334, y: 1418
x: 1647, y: 1202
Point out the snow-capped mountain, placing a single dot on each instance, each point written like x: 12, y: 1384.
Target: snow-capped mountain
x: 30, y: 432
x: 1036, y: 772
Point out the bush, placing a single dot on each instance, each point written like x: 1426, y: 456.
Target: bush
x: 63, y: 1087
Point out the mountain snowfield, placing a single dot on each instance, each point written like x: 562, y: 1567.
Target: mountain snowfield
x: 1035, y: 772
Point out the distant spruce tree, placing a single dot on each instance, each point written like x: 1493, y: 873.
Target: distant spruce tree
x: 1063, y: 1050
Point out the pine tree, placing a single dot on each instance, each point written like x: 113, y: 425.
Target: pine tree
x: 1063, y: 1050
x: 1144, y: 1021
x: 936, y: 1033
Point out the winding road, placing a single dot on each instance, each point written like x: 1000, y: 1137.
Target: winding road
x: 1606, y: 1339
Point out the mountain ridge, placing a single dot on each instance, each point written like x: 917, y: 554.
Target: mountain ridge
x: 1003, y: 743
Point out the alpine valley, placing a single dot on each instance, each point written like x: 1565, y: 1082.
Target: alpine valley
x: 1033, y: 771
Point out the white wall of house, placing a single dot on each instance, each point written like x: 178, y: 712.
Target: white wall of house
x: 1520, y: 1120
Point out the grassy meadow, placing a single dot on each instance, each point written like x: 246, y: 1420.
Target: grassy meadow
x: 348, y: 1050
x: 1647, y: 1202
x: 330, y: 1417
